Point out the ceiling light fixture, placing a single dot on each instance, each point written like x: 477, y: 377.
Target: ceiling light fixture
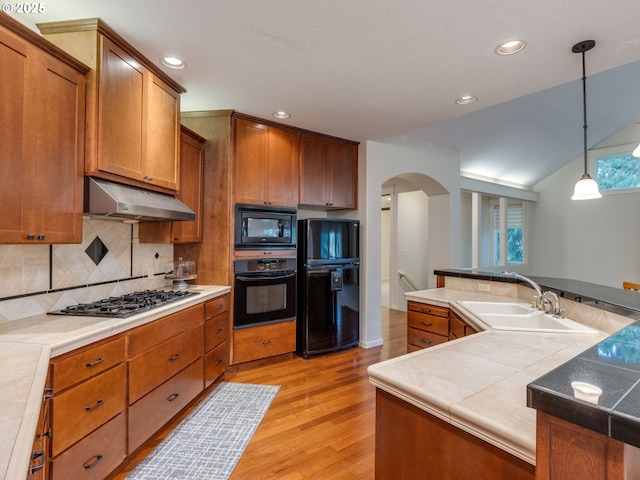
x: 587, y: 187
x: 173, y: 62
x: 281, y: 114
x: 510, y: 48
x: 466, y: 100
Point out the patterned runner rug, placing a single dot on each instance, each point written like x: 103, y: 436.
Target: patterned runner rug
x: 209, y: 442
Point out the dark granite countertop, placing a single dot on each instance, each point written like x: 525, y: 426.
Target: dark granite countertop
x: 600, y: 388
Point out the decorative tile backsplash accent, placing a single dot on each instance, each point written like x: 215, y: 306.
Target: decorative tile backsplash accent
x: 96, y: 250
x: 39, y: 269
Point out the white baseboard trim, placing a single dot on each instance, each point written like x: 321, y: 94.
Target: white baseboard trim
x: 371, y: 344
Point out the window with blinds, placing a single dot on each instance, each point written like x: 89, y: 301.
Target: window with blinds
x: 514, y: 229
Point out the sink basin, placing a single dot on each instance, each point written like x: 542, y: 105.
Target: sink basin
x: 522, y: 317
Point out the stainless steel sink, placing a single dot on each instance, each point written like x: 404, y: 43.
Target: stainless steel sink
x: 522, y: 317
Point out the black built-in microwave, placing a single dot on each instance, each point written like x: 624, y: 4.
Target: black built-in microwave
x: 260, y: 227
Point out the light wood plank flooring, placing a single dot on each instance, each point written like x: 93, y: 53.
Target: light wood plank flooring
x: 321, y: 424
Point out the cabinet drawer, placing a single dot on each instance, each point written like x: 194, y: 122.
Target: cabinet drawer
x: 429, y: 323
x: 95, y: 456
x: 159, y: 406
x: 265, y: 341
x: 147, y: 336
x: 150, y: 369
x: 215, y: 362
x: 216, y: 330
x: 456, y: 327
x: 428, y: 309
x: 423, y: 339
x: 80, y: 410
x: 216, y: 306
x: 72, y: 368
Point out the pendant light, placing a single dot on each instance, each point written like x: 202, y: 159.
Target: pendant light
x: 587, y: 187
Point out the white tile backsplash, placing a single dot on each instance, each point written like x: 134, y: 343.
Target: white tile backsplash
x: 26, y: 269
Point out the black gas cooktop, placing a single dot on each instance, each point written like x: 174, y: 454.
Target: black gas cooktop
x: 125, y: 305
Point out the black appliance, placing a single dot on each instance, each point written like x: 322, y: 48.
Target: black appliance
x: 125, y: 305
x: 328, y: 286
x: 259, y: 227
x: 264, y: 291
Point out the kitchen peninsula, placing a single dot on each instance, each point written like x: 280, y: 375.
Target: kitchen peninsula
x: 470, y: 395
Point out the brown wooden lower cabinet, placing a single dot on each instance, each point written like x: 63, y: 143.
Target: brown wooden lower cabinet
x: 254, y: 343
x: 565, y: 451
x: 215, y: 363
x: 95, y: 456
x: 156, y: 408
x: 412, y: 444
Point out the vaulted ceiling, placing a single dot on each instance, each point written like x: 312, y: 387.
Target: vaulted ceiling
x: 370, y: 70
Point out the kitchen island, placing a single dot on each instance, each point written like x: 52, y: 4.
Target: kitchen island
x: 26, y: 347
x: 466, y: 400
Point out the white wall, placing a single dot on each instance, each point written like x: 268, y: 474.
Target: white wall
x: 380, y: 161
x: 594, y: 241
x: 412, y: 244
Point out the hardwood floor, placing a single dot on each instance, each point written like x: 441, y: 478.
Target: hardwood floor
x: 321, y: 424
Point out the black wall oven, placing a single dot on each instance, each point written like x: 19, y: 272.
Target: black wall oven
x: 264, y: 291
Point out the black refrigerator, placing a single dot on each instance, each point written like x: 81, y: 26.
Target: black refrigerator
x: 328, y: 317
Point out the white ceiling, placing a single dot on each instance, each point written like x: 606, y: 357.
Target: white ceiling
x: 373, y: 69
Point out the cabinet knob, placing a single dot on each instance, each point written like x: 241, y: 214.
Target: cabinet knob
x: 41, y: 237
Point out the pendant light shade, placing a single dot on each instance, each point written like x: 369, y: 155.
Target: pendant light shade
x: 587, y: 187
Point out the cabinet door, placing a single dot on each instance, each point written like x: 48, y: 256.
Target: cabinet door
x: 120, y: 113
x: 313, y: 170
x: 191, y: 184
x: 161, y: 164
x: 342, y: 167
x: 54, y: 185
x: 282, y: 164
x: 250, y: 158
x: 14, y: 61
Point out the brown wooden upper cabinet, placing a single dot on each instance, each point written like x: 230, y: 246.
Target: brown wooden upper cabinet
x: 42, y: 93
x: 191, y: 177
x: 328, y: 172
x: 133, y: 108
x: 266, y: 164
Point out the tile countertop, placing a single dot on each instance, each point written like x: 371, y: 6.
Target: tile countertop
x: 479, y: 383
x: 27, y: 345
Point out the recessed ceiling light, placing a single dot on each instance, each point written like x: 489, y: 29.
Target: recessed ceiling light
x: 510, y: 48
x: 173, y: 62
x: 466, y: 100
x: 281, y: 114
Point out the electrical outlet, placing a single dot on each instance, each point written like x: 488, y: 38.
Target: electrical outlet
x: 484, y: 287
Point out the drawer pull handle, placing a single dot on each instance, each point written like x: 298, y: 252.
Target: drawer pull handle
x: 219, y: 331
x: 94, y: 406
x: 90, y: 465
x: 219, y: 306
x: 174, y: 357
x: 266, y: 342
x: 93, y: 364
x: 428, y: 324
x: 218, y: 362
x: 35, y: 456
x: 425, y: 340
x: 173, y: 397
x: 425, y: 310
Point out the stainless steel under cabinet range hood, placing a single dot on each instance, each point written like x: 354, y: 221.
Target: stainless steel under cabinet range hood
x: 115, y: 201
